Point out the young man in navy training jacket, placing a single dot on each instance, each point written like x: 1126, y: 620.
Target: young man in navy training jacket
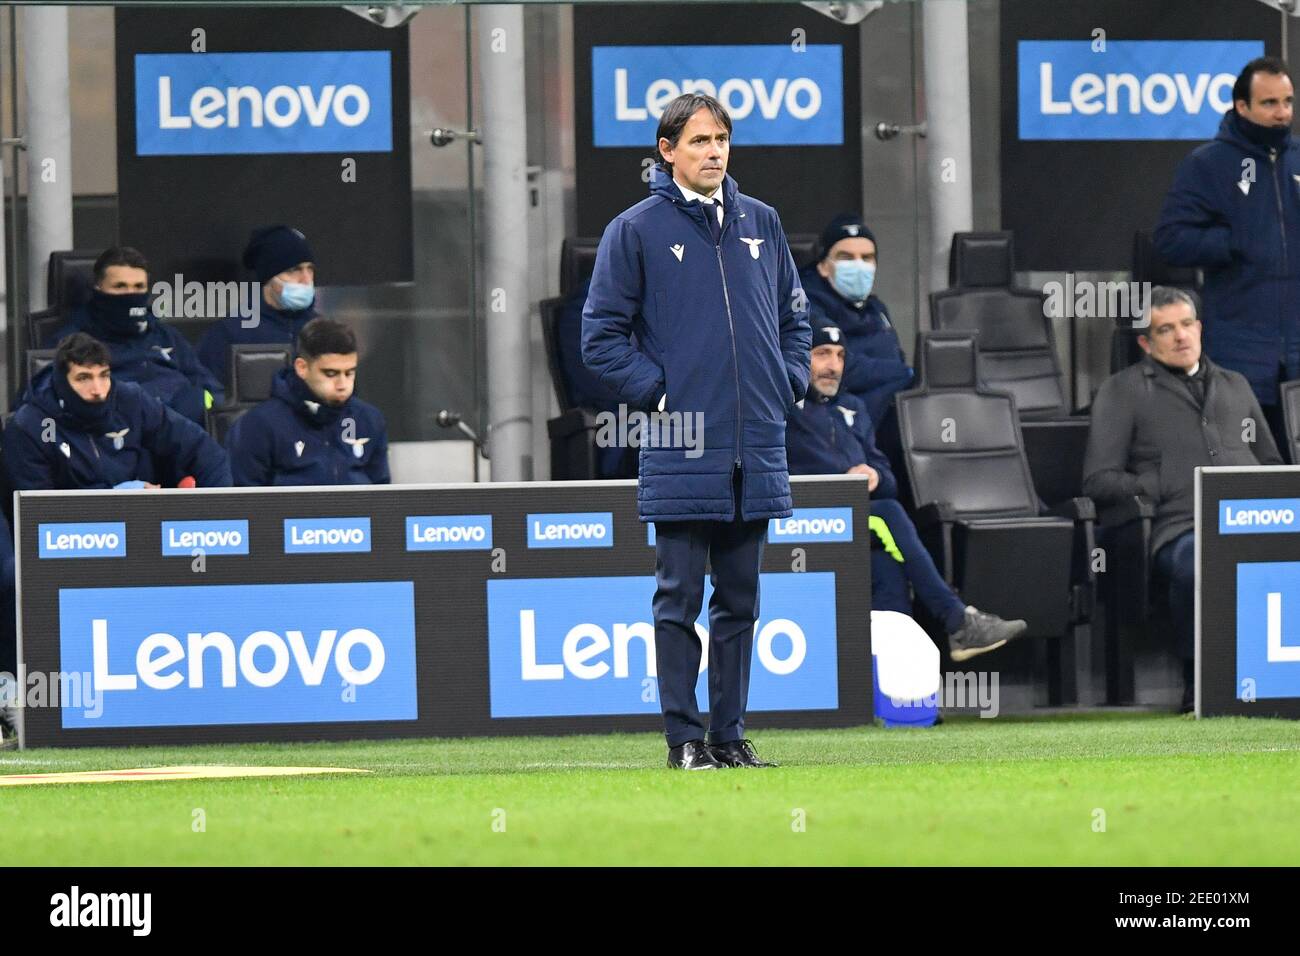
x: 78, y: 427
x: 313, y: 430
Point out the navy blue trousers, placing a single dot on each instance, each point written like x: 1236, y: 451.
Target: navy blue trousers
x: 1175, y: 564
x: 734, y: 549
x: 889, y: 577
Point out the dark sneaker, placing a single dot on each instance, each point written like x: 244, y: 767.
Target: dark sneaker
x: 980, y: 633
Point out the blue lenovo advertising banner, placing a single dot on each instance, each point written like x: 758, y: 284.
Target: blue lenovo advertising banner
x: 1259, y: 516
x: 95, y: 539
x: 186, y: 538
x: 776, y: 95
x: 585, y: 646
x: 1099, y: 103
x: 1128, y: 89
x: 240, y: 654
x: 224, y: 115
x: 1268, y: 630
x: 791, y: 80
x: 335, y: 101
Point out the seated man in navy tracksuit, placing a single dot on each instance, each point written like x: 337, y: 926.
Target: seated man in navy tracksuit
x: 78, y: 427
x: 830, y: 433
x: 313, y: 430
x: 284, y: 266
x: 144, y: 350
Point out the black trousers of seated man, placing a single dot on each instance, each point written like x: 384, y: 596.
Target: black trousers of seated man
x: 683, y: 549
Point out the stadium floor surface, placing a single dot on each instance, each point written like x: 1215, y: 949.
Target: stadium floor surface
x: 1170, y: 791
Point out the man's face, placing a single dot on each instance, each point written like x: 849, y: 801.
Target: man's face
x: 700, y: 157
x: 330, y: 377
x: 854, y: 248
x: 92, y: 383
x: 304, y: 273
x: 123, y: 280
x: 1174, y: 337
x: 827, y: 368
x: 1271, y: 97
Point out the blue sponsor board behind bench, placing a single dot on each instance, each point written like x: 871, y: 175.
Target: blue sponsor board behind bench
x: 326, y: 535
x: 582, y: 646
x: 185, y: 538
x: 1259, y: 516
x: 96, y: 539
x: 241, y: 654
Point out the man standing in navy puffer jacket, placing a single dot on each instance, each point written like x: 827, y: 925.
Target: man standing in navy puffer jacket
x: 702, y: 276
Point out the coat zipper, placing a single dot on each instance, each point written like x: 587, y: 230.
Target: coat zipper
x: 1281, y: 224
x: 735, y: 357
x: 1277, y: 196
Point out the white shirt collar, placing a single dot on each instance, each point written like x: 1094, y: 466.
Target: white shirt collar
x: 1194, y: 369
x: 715, y: 199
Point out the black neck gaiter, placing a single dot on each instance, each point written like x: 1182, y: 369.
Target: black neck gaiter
x: 89, y: 416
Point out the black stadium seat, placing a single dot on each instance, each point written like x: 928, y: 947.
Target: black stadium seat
x: 803, y: 248
x: 43, y: 324
x: 1291, y: 420
x: 37, y: 359
x: 221, y: 419
x: 70, y: 279
x: 252, y: 368
x: 977, y: 508
x: 1016, y: 341
x: 577, y: 259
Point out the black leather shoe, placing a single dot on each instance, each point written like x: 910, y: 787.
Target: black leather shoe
x: 693, y: 755
x: 738, y: 753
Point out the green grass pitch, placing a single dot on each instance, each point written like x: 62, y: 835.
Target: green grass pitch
x: 1103, y: 789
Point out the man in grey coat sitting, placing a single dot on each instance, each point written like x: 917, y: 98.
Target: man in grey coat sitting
x: 1153, y: 424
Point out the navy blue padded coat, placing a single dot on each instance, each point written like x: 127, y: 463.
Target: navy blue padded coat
x: 722, y: 331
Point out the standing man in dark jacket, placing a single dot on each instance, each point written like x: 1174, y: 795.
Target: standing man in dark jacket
x: 840, y: 289
x: 313, y: 430
x: 702, y: 275
x: 1153, y: 424
x: 145, y: 351
x: 1234, y: 210
x: 830, y: 433
x: 285, y: 267
x: 78, y: 428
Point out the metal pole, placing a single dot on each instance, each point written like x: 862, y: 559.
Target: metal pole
x: 505, y: 240
x: 947, y: 97
x: 7, y: 331
x: 49, y: 143
x: 476, y: 339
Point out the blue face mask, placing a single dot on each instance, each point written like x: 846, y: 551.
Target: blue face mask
x: 853, y: 279
x: 296, y: 296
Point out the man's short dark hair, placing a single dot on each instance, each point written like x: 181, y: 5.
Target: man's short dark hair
x: 678, y: 114
x: 119, y: 256
x: 1263, y: 64
x: 1162, y: 296
x: 81, y: 349
x: 325, y: 337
